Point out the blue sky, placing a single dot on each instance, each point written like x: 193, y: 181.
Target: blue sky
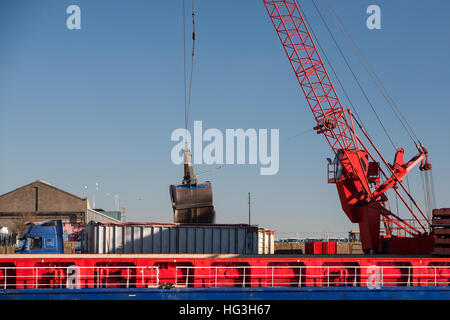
x: 99, y: 104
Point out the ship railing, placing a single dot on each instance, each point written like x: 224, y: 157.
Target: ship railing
x: 395, y: 230
x: 74, y: 277
x: 323, y: 276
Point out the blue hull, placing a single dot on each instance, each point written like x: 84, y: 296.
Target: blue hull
x: 317, y: 293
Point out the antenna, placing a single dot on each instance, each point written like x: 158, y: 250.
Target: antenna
x: 123, y: 213
x: 249, y: 208
x: 117, y: 202
x: 93, y: 198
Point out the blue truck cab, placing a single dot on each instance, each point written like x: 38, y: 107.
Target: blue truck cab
x: 45, y: 237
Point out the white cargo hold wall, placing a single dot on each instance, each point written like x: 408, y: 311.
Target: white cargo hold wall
x: 153, y: 238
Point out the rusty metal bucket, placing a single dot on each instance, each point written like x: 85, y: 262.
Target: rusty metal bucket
x: 193, y: 203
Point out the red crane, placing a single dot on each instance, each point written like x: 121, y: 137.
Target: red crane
x: 361, y: 182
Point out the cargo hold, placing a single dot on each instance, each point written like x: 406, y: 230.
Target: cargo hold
x: 153, y: 238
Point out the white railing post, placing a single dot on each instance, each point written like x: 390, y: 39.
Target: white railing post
x: 187, y: 276
x: 215, y: 278
x: 435, y: 276
x: 157, y: 276
x: 328, y: 277
x: 272, y: 276
x: 409, y: 276
x: 176, y: 276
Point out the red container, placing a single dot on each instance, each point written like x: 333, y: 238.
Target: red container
x: 320, y: 247
x: 331, y: 248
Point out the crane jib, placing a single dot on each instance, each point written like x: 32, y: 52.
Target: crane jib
x: 315, y: 82
x: 311, y: 73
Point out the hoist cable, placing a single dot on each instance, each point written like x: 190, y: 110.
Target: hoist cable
x: 300, y: 134
x: 433, y: 194
x: 409, y: 190
x: 354, y: 75
x: 333, y: 71
x: 188, y: 94
x: 316, y: 39
x: 371, y: 71
x: 361, y: 87
x: 427, y: 185
x: 424, y: 191
x: 429, y: 192
x: 184, y: 73
x: 192, y: 63
x: 396, y: 202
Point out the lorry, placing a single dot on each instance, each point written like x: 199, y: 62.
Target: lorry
x: 45, y: 237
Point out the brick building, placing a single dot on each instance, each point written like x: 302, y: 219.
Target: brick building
x: 40, y: 201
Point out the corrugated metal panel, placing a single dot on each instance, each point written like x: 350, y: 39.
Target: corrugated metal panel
x: 266, y: 241
x: 97, y: 216
x: 176, y: 238
x: 7, y: 239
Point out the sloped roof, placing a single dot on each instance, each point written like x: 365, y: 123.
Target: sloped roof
x: 42, y: 182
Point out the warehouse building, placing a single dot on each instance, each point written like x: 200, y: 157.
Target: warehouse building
x: 40, y: 201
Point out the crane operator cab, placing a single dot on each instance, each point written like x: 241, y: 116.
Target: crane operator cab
x: 334, y: 168
x: 192, y: 200
x: 371, y: 169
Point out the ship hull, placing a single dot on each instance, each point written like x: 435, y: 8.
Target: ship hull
x: 232, y: 294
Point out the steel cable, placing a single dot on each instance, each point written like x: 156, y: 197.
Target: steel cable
x: 371, y: 71
x: 322, y: 52
x: 316, y: 39
x: 428, y: 186
x: 187, y: 97
x: 192, y: 63
x: 184, y: 73
x: 354, y: 75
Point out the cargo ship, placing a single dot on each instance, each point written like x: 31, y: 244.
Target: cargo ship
x: 219, y: 262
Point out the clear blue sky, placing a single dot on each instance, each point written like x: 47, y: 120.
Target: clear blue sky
x: 99, y: 104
